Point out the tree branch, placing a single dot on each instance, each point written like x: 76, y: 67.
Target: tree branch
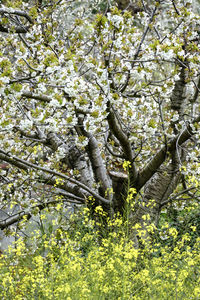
x: 161, y: 155
x: 17, y: 13
x: 22, y: 164
x: 27, y: 213
x: 138, y: 49
x: 18, y: 29
x: 36, y: 96
x: 98, y: 165
x: 124, y: 141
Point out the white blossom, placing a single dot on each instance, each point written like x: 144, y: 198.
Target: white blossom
x: 115, y: 19
x: 26, y: 124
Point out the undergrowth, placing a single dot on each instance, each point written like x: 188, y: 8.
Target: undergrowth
x: 85, y: 262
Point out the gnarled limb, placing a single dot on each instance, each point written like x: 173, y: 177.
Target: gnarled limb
x: 22, y: 164
x: 158, y: 189
x: 161, y: 155
x: 17, y: 217
x: 19, y: 28
x: 31, y: 95
x: 100, y: 173
x: 16, y: 13
x: 179, y: 92
x: 123, y: 140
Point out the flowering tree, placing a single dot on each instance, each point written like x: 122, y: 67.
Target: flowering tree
x: 97, y: 105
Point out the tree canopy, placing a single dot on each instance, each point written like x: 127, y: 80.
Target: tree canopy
x: 96, y: 101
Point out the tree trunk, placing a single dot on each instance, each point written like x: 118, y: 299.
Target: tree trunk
x: 129, y: 5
